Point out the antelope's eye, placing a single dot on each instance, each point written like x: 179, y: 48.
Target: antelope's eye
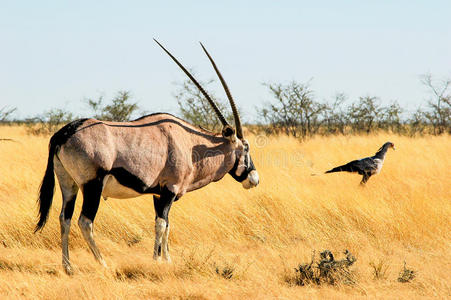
x: 246, y: 147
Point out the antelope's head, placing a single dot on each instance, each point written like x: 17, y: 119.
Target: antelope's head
x: 243, y: 170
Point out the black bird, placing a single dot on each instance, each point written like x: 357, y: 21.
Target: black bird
x: 366, y: 166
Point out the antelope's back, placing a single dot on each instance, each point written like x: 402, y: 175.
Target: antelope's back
x: 157, y: 149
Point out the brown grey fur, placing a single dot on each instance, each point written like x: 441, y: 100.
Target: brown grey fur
x: 161, y: 153
x: 165, y: 151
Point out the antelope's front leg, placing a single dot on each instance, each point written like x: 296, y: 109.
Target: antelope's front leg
x: 160, y: 226
x: 165, y: 244
x: 162, y: 206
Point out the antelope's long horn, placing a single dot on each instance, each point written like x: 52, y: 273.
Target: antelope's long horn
x: 212, y: 103
x: 236, y: 116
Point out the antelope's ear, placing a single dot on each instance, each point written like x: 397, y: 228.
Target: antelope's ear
x: 229, y: 133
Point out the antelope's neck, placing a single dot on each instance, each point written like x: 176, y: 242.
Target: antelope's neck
x: 211, y: 164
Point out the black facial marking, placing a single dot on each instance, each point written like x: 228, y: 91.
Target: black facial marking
x: 249, y: 167
x: 232, y: 172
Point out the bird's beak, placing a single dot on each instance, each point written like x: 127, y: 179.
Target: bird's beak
x: 393, y: 148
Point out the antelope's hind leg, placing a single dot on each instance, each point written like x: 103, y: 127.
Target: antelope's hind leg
x: 92, y: 191
x: 69, y: 190
x: 162, y: 206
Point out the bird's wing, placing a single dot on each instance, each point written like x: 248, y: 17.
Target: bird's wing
x: 356, y: 166
x: 353, y: 166
x: 367, y: 164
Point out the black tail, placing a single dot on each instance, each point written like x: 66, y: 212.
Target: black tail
x: 349, y: 167
x: 48, y: 182
x: 47, y: 188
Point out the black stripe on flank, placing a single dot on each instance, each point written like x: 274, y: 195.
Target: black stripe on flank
x: 133, y: 182
x: 93, y: 188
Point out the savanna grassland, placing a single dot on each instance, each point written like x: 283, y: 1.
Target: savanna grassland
x: 257, y: 237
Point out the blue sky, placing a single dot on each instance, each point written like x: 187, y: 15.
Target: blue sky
x: 57, y: 53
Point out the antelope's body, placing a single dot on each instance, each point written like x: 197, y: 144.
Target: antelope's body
x: 157, y: 154
x: 138, y: 157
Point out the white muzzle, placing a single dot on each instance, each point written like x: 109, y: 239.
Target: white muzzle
x: 252, y: 180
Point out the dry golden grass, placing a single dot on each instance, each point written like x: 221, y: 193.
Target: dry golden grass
x: 403, y: 214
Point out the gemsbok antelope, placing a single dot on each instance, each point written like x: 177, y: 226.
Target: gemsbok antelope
x: 157, y: 154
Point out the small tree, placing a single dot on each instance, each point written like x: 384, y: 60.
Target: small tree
x: 365, y: 114
x: 417, y: 123
x: 49, y: 122
x: 295, y: 112
x: 119, y: 110
x: 96, y: 106
x: 6, y: 112
x: 439, y: 114
x: 334, y: 116
x: 391, y: 118
x: 196, y: 109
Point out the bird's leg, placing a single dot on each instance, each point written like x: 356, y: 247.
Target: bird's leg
x: 364, y: 179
